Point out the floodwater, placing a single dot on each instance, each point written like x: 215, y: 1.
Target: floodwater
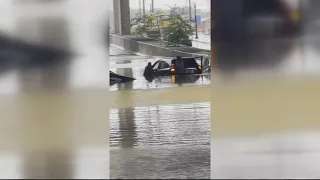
x: 164, y: 141
x: 133, y: 66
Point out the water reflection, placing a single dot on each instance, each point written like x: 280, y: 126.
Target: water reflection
x: 127, y: 127
x: 160, y: 125
x: 175, y: 79
x: 160, y: 82
x: 165, y: 141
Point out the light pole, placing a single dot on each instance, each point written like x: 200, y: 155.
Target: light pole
x: 143, y: 7
x: 195, y: 20
x: 152, y: 6
x: 190, y: 11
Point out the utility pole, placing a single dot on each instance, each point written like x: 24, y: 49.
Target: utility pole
x: 143, y: 7
x: 195, y: 20
x: 190, y: 16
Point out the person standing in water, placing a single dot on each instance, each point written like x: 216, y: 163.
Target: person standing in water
x: 179, y: 65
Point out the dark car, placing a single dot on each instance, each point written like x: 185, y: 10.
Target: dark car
x: 177, y: 66
x: 115, y: 78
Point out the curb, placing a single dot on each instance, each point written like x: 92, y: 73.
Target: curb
x: 143, y: 48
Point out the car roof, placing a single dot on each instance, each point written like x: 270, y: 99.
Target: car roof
x: 165, y: 60
x: 185, y: 59
x: 174, y: 59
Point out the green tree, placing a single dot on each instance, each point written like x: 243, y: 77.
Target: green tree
x: 140, y: 24
x: 180, y: 26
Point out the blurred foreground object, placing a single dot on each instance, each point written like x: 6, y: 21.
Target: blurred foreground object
x: 245, y: 20
x: 44, y: 108
x: 60, y: 24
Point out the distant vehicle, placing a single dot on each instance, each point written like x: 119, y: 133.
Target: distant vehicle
x: 115, y: 78
x: 177, y: 66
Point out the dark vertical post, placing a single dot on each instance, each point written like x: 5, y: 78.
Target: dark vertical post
x: 152, y: 6
x: 140, y: 9
x: 190, y: 11
x: 195, y: 20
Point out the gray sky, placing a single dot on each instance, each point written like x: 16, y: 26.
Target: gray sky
x: 163, y: 4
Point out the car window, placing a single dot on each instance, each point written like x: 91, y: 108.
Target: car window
x: 163, y: 65
x: 190, y: 63
x: 156, y: 65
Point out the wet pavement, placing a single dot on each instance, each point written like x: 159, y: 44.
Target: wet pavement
x: 164, y: 141
x: 202, y: 42
x: 117, y: 51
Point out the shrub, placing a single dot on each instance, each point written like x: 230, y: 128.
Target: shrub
x: 180, y: 26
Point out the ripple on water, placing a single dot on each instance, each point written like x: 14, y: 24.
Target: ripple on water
x: 182, y: 124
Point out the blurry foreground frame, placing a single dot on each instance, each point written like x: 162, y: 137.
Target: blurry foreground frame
x: 259, y: 124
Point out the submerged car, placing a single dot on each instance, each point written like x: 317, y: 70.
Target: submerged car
x: 177, y: 66
x: 115, y: 78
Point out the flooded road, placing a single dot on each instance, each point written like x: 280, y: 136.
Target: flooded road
x: 165, y: 141
x: 133, y: 66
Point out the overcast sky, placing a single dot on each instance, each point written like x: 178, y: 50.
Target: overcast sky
x: 164, y: 4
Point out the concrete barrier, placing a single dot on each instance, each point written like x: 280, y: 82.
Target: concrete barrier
x: 148, y: 49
